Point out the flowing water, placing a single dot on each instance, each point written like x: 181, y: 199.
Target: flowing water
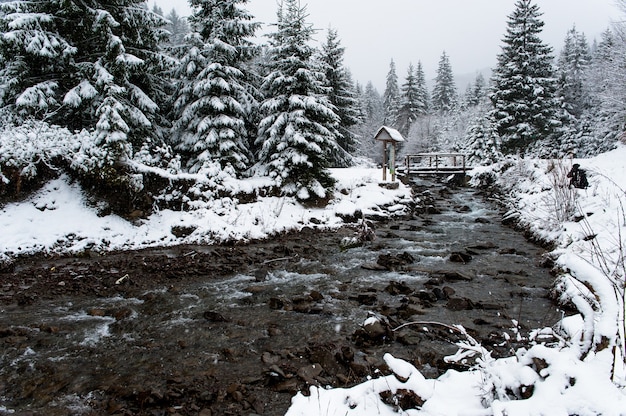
x: 234, y: 343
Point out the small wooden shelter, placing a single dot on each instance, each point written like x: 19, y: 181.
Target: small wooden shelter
x: 387, y: 135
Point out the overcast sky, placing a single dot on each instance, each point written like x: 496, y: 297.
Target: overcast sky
x: 470, y: 31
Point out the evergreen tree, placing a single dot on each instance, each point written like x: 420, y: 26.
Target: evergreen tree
x: 86, y: 64
x: 342, y: 96
x: 373, y: 116
x: 411, y: 105
x: 210, y: 108
x: 524, y: 85
x: 573, y: 62
x: 373, y: 104
x: 606, y: 83
x: 422, y: 89
x: 177, y: 27
x: 391, y: 97
x: 482, y: 147
x: 476, y: 91
x: 298, y: 133
x: 444, y: 97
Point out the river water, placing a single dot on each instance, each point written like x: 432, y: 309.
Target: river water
x: 241, y: 342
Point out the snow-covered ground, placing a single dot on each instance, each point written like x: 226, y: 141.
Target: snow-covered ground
x: 580, y: 371
x: 59, y: 219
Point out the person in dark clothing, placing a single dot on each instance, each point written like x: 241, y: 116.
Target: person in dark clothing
x: 578, y: 177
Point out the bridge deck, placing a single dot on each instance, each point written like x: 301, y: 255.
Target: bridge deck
x: 434, y: 163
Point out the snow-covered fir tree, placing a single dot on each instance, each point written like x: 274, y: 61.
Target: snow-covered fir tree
x: 476, y: 91
x: 371, y: 120
x: 526, y: 108
x: 391, y: 96
x: 411, y: 104
x: 573, y: 62
x: 211, y: 102
x: 86, y: 65
x: 603, y: 123
x: 422, y: 88
x: 298, y: 133
x: 342, y: 96
x: 177, y: 27
x: 444, y: 97
x: 482, y: 146
x: 572, y: 65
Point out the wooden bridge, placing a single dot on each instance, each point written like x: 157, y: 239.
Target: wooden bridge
x: 434, y: 164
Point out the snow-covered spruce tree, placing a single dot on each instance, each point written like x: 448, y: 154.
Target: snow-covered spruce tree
x: 411, y: 104
x: 343, y: 96
x: 33, y: 53
x: 573, y: 62
x: 526, y: 108
x: 211, y: 108
x: 606, y: 78
x: 298, y: 133
x: 476, y: 92
x: 373, y: 116
x: 482, y: 147
x: 177, y: 27
x: 391, y: 97
x: 444, y: 96
x: 422, y: 89
x: 86, y: 64
x: 572, y: 65
x: 372, y: 104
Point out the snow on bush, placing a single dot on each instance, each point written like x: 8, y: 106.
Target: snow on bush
x: 23, y: 147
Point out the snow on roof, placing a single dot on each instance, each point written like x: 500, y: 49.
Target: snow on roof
x: 387, y: 134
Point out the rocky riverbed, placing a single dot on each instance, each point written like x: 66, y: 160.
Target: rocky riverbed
x: 239, y: 329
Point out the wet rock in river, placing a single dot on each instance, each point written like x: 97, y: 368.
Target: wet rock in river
x: 452, y: 275
x: 376, y: 330
x: 440, y: 294
x: 213, y: 316
x: 449, y: 292
x: 398, y: 288
x: 483, y: 246
x: 459, y: 304
x: 406, y: 311
x: 460, y: 257
x: 425, y: 295
x: 395, y: 262
x: 310, y: 373
x: 366, y: 298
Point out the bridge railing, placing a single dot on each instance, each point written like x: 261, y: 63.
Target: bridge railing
x: 435, y: 163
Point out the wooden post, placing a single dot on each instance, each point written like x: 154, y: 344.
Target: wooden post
x: 384, y: 161
x: 392, y: 161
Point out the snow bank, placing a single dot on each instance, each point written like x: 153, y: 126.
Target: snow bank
x: 58, y: 218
